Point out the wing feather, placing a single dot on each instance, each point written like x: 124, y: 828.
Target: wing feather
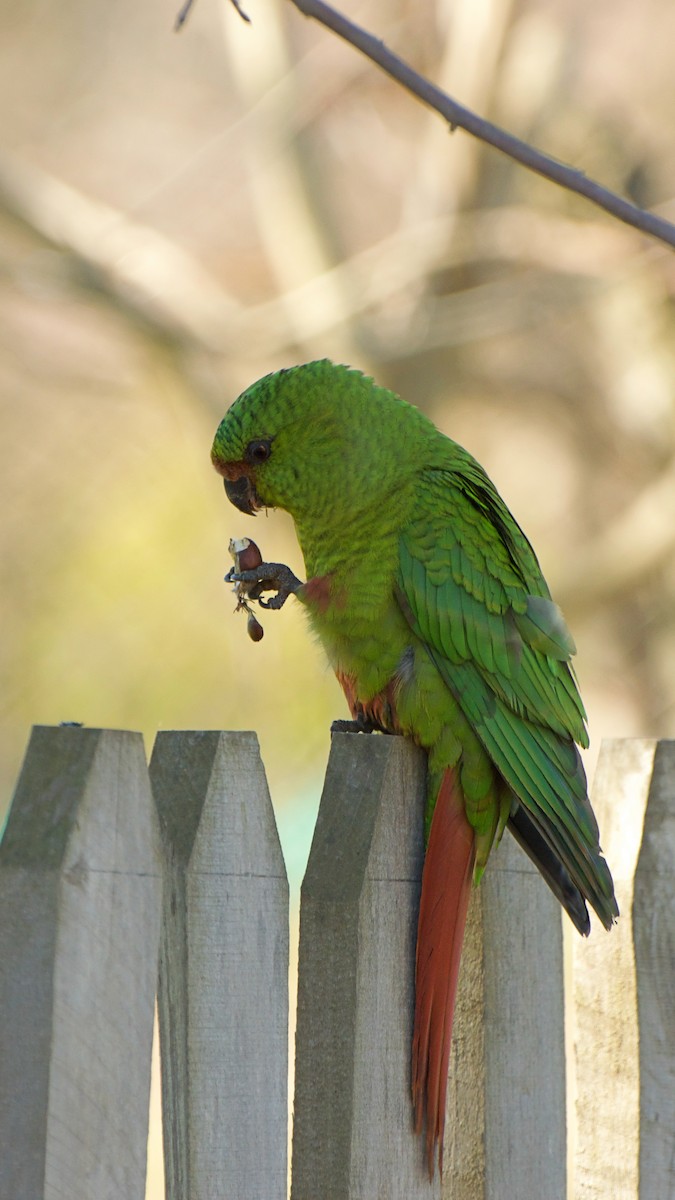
x: 473, y: 591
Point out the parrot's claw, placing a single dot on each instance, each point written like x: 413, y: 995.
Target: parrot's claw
x: 345, y: 726
x: 360, y: 724
x: 267, y: 577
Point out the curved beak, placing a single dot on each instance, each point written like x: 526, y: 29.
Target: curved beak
x: 242, y: 494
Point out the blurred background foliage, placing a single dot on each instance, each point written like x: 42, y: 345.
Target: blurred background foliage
x: 181, y: 214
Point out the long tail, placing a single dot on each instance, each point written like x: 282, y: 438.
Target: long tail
x: 446, y: 886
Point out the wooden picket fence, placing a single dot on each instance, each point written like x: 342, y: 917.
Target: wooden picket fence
x: 100, y: 883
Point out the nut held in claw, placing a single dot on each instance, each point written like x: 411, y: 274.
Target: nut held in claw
x: 245, y: 553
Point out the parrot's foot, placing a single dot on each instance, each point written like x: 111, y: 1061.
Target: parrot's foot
x: 362, y: 724
x: 267, y: 577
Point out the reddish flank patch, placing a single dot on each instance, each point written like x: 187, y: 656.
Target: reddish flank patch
x: 348, y: 685
x: 317, y: 592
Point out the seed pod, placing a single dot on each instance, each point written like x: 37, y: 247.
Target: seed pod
x: 254, y: 629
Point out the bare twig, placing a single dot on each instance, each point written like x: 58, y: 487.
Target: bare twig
x: 183, y: 15
x: 184, y: 12
x: 459, y: 117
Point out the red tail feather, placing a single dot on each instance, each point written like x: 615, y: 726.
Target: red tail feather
x: 446, y: 886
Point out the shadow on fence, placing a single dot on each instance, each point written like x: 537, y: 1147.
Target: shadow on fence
x: 103, y: 890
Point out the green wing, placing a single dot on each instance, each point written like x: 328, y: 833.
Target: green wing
x: 471, y: 589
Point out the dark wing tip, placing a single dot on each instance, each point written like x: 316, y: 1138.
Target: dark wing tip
x: 547, y: 862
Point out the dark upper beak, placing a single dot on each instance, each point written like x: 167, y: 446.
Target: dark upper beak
x: 241, y: 493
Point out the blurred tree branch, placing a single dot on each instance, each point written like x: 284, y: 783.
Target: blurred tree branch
x: 634, y: 546
x: 153, y: 280
x: 148, y: 275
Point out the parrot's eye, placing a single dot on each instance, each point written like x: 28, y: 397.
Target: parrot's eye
x: 258, y: 452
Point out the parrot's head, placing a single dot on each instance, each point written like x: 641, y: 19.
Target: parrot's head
x: 315, y: 438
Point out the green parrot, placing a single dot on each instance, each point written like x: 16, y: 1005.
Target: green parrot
x: 432, y: 609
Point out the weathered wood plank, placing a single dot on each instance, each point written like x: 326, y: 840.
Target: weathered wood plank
x: 524, y: 1030
x: 79, y: 928
x: 654, y: 938
x: 624, y: 986
x: 223, y: 990
x: 506, y: 1109
x: 353, y: 1137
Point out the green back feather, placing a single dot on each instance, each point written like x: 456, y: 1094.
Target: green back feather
x: 472, y: 590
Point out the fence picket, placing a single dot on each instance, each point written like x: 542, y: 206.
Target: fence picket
x: 223, y: 982
x: 624, y: 986
x: 654, y: 938
x: 79, y: 928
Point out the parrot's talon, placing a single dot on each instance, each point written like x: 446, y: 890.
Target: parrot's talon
x: 342, y: 725
x: 274, y: 601
x: 360, y: 724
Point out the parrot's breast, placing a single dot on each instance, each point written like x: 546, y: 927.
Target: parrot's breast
x: 351, y: 602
